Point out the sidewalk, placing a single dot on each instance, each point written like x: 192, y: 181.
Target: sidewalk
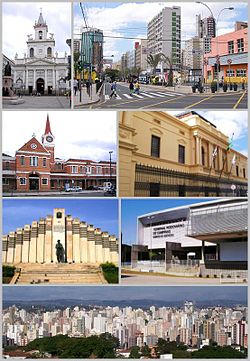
x: 186, y: 89
x: 86, y: 99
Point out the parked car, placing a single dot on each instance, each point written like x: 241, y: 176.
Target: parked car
x: 73, y: 189
x: 92, y: 188
x: 111, y: 192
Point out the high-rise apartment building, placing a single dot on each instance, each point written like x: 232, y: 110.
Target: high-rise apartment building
x: 206, y: 29
x: 164, y: 35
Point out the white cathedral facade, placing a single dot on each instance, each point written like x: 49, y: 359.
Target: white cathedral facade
x: 41, y: 71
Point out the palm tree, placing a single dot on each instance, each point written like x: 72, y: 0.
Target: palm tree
x: 154, y: 60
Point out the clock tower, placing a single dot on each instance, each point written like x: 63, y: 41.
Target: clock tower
x: 48, y: 140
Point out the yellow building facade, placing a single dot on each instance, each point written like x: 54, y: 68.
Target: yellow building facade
x: 183, y: 155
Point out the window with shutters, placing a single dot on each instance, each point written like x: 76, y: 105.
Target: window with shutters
x: 155, y: 146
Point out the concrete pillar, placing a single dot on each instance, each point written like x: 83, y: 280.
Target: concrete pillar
x: 198, y: 150
x: 113, y: 249
x: 69, y: 238
x: 106, y: 250
x: 98, y: 246
x: 26, y: 80
x: 34, y: 79
x: 4, y: 249
x: 19, y: 245
x: 33, y: 242
x: 76, y: 240
x: 11, y: 248
x: 84, y: 243
x: 91, y: 244
x: 48, y: 240
x: 45, y: 82
x: 202, y: 252
x: 26, y: 244
x: 41, y: 241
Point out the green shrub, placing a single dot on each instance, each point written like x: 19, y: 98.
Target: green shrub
x: 110, y: 272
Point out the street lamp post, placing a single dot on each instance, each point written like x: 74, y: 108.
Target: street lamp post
x: 110, y: 163
x: 216, y: 33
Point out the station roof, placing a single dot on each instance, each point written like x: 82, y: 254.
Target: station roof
x: 178, y: 213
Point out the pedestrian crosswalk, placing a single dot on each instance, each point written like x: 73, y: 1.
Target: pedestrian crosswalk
x: 143, y: 95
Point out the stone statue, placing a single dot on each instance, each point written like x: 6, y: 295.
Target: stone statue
x: 59, y: 252
x: 7, y: 69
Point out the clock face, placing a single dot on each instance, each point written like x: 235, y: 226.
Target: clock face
x: 33, y: 146
x: 49, y: 139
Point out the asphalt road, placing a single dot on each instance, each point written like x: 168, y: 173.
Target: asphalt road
x: 58, y: 194
x: 161, y: 98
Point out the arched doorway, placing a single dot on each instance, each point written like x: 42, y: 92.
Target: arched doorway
x: 34, y: 182
x: 40, y: 86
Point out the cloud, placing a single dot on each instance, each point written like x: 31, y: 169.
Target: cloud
x: 130, y: 19
x: 19, y: 19
x: 83, y: 135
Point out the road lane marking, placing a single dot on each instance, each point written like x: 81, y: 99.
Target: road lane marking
x: 147, y: 95
x: 107, y: 97
x: 167, y: 94
x: 200, y: 101
x: 127, y: 96
x: 163, y: 102
x: 157, y: 95
x: 138, y: 96
x: 239, y: 100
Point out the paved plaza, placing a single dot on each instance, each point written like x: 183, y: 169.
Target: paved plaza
x: 41, y: 102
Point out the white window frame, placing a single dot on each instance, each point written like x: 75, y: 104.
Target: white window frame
x: 34, y: 161
x: 74, y: 169
x: 45, y: 179
x: 24, y: 179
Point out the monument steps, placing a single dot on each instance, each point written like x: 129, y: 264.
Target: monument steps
x: 62, y: 273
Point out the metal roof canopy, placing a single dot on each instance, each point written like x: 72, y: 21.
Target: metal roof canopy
x: 182, y: 212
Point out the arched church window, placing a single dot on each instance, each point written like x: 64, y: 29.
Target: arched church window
x: 40, y: 35
x: 32, y: 52
x: 49, y: 52
x: 59, y: 215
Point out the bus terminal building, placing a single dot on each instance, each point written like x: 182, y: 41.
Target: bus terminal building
x: 161, y: 155
x: 203, y: 239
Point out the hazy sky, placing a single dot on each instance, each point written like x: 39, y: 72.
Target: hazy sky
x: 229, y: 122
x: 83, y: 135
x: 132, y: 208
x: 102, y: 213
x: 19, y: 19
x: 130, y: 19
x: 116, y: 293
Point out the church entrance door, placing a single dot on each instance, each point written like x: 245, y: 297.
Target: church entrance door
x: 34, y: 182
x: 40, y: 86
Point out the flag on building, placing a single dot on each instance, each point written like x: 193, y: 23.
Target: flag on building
x: 215, y: 151
x: 230, y: 145
x: 234, y: 160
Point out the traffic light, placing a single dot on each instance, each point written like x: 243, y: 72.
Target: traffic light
x: 216, y: 67
x: 80, y: 65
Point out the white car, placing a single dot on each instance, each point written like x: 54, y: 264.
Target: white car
x: 73, y: 189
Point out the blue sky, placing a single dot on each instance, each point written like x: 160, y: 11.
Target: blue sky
x: 116, y: 293
x: 130, y: 20
x: 228, y: 122
x: 102, y: 213
x: 132, y: 208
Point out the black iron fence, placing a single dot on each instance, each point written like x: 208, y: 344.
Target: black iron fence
x: 158, y: 182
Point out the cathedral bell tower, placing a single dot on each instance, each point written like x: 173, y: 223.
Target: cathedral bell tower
x: 40, y: 46
x: 48, y: 140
